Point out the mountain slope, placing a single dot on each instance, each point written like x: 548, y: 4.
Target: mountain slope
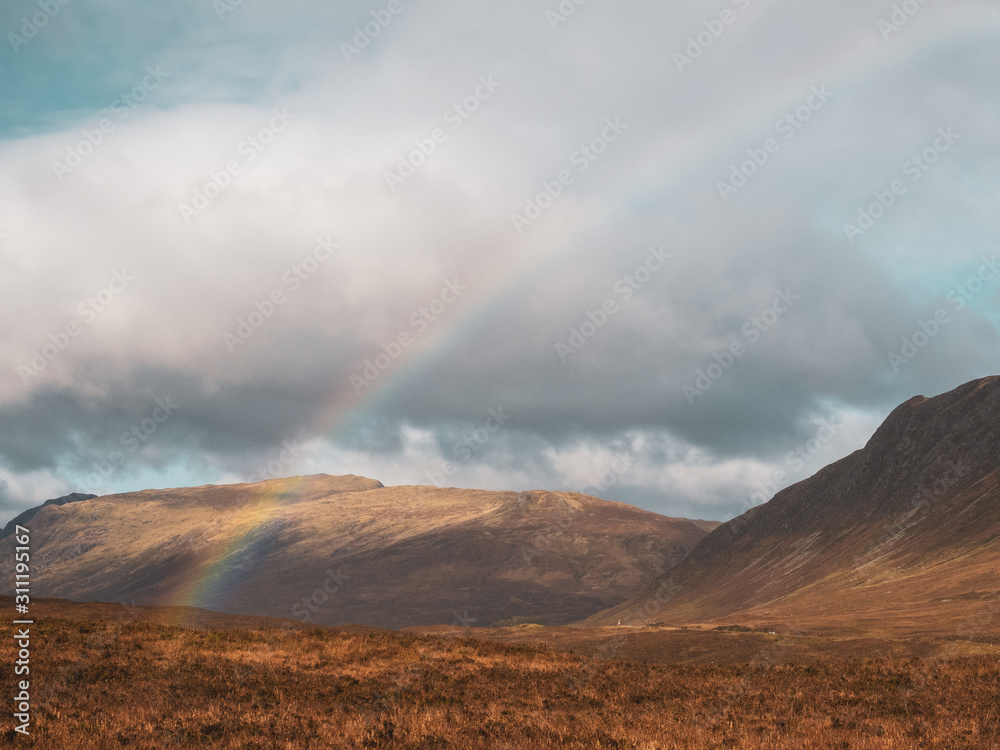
x: 347, y: 549
x: 901, y: 534
x: 27, y: 515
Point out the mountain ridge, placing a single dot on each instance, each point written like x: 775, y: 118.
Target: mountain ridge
x: 26, y: 516
x: 833, y: 544
x: 348, y: 549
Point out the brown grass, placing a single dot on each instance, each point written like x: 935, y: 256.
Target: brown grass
x: 107, y: 684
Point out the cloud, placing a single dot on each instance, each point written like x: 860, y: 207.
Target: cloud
x: 261, y: 143
x: 7, y: 503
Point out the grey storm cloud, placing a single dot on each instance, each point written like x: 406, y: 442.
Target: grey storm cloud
x: 533, y: 158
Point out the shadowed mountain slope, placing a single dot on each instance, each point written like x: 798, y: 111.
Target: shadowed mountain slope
x: 902, y: 534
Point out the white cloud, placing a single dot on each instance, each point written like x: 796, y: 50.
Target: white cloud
x: 324, y: 174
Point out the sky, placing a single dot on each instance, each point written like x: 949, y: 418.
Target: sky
x: 674, y: 254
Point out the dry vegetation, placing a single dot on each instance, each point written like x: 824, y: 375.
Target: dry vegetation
x: 105, y: 684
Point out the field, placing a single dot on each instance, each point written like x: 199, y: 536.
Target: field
x: 107, y: 676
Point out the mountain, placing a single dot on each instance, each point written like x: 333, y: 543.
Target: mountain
x: 347, y: 549
x: 23, y: 518
x: 900, y: 535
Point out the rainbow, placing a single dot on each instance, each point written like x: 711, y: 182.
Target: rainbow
x: 646, y: 181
